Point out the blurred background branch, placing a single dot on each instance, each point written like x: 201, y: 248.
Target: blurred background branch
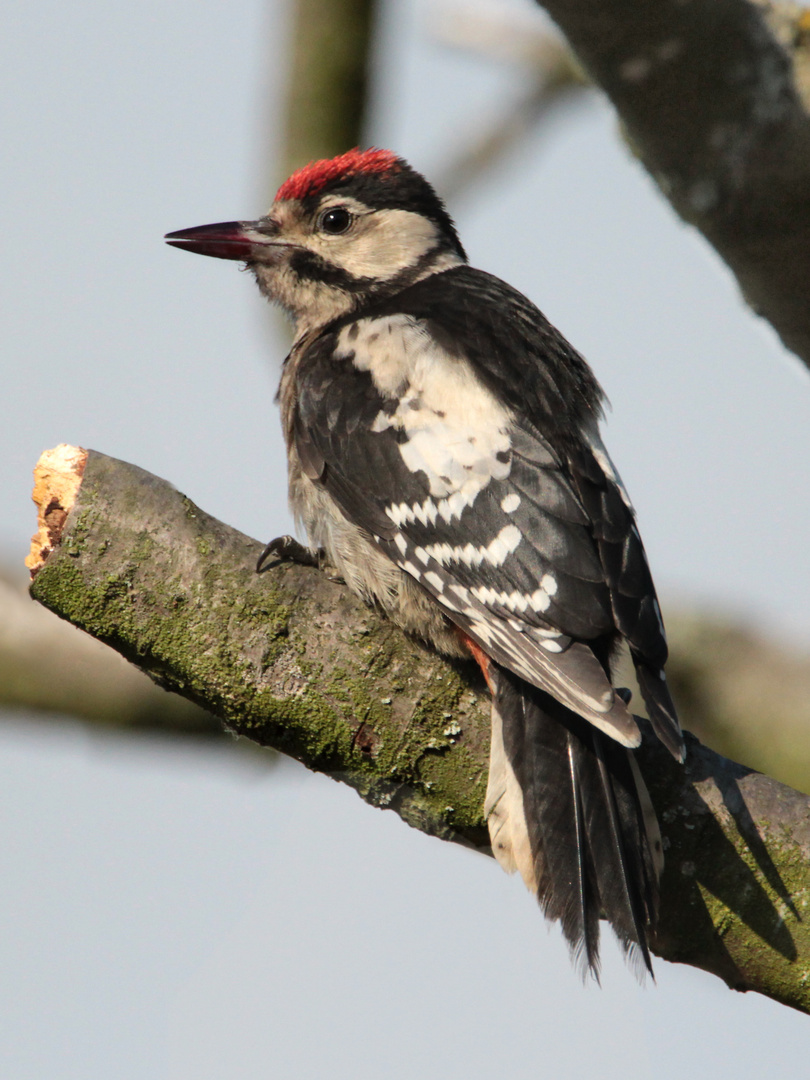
x: 711, y: 104
x: 552, y: 80
x: 49, y: 667
x: 327, y: 92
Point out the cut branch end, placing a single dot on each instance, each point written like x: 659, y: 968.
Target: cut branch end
x: 57, y: 479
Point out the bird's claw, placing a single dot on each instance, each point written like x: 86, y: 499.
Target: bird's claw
x: 288, y: 549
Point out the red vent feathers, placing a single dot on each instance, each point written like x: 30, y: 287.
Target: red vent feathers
x: 315, y: 176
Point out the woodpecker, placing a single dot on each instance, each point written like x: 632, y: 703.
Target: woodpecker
x: 444, y: 451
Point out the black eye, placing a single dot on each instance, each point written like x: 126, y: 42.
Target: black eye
x: 335, y: 221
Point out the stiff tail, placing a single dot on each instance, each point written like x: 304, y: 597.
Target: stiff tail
x: 567, y: 807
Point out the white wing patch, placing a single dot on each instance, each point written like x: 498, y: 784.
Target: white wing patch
x: 456, y: 431
x: 375, y: 345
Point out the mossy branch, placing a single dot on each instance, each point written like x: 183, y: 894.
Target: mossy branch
x: 291, y: 660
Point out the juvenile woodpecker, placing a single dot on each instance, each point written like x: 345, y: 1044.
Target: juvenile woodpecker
x: 444, y: 450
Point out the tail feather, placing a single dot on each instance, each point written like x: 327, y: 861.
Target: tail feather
x: 584, y: 825
x: 627, y: 884
x: 660, y: 708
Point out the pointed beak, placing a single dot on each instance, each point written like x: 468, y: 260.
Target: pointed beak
x: 243, y: 240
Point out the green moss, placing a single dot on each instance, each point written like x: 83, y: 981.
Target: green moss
x: 462, y: 782
x: 425, y: 733
x: 63, y: 589
x: 82, y: 524
x: 307, y: 727
x: 143, y: 548
x: 191, y: 511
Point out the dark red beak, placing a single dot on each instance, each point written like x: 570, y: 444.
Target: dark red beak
x: 242, y: 240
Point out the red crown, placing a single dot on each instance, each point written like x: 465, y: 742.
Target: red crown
x: 315, y: 176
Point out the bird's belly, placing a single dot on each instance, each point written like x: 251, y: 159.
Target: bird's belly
x: 368, y: 571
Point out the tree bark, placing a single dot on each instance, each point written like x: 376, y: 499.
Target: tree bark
x: 713, y: 105
x: 291, y: 660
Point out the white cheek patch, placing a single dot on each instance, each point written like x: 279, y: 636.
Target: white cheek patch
x: 382, y: 244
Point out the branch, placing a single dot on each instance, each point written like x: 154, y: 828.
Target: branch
x: 291, y: 660
x: 713, y: 107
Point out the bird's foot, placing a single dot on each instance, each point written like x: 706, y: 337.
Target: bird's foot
x: 287, y: 549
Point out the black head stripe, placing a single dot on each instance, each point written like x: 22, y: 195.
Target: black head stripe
x: 311, y: 267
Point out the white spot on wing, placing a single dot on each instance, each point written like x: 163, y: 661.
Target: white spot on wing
x: 551, y: 645
x: 504, y: 544
x: 403, y: 514
x: 510, y: 503
x: 435, y: 582
x: 540, y: 600
x: 549, y: 584
x: 514, y: 601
